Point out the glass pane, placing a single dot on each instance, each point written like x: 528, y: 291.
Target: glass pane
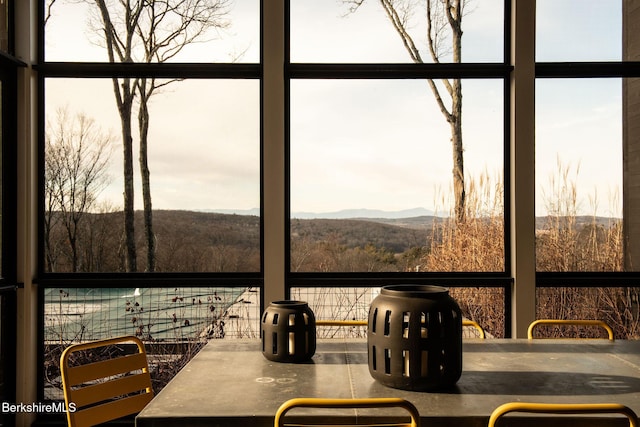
x: 342, y: 32
x: 204, y: 180
x: 211, y: 31
x: 174, y: 323
x: 584, y: 30
x: 371, y: 177
x: 580, y: 140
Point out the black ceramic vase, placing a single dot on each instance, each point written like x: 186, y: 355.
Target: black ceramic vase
x: 414, y: 338
x: 288, y: 331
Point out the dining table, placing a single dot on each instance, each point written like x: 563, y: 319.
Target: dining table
x: 230, y: 383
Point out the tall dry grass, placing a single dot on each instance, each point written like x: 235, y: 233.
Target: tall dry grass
x: 565, y: 242
x: 473, y: 245
x: 568, y: 241
x: 477, y: 243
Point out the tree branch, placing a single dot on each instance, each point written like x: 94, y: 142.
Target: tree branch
x: 399, y: 23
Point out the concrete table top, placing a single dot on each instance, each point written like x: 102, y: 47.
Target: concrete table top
x: 230, y: 382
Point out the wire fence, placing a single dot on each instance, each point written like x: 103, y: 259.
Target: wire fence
x: 174, y: 323
x: 152, y: 314
x: 482, y: 305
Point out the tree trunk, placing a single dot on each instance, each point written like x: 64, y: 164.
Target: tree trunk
x: 124, y: 95
x: 457, y: 148
x: 143, y: 125
x: 131, y: 264
x: 454, y: 14
x: 74, y: 251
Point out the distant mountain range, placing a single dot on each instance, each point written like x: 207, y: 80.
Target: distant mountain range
x: 417, y: 218
x: 365, y: 213
x: 342, y: 214
x: 252, y: 211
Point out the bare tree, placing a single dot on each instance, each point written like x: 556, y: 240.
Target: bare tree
x: 147, y: 31
x: 167, y: 27
x: 77, y: 155
x: 443, y: 38
x: 120, y: 46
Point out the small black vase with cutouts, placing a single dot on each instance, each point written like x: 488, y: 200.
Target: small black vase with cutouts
x: 288, y: 331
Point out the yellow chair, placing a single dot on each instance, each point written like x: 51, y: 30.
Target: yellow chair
x: 476, y: 325
x: 563, y: 408
x: 365, y: 323
x: 347, y: 403
x: 105, y: 390
x: 577, y: 322
x: 341, y: 323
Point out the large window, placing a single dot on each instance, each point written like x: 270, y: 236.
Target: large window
x: 388, y: 157
x: 397, y: 140
x: 582, y: 135
x: 353, y: 31
x: 146, y: 166
x: 586, y: 162
x: 585, y: 136
x: 203, y: 155
x: 318, y: 154
x: 161, y: 186
x: 371, y: 182
x: 214, y: 31
x: 579, y: 174
x: 150, y: 178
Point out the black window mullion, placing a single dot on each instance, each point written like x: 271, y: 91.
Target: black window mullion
x: 158, y: 70
x: 587, y: 69
x: 397, y: 71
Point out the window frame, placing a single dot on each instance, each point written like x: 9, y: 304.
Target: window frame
x: 588, y: 70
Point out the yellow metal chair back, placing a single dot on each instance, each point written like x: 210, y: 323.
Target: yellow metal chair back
x: 105, y: 390
x: 561, y: 408
x: 346, y: 403
x: 341, y: 323
x: 465, y: 322
x: 476, y: 325
x: 577, y: 322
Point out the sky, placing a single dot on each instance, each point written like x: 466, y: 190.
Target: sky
x: 360, y: 144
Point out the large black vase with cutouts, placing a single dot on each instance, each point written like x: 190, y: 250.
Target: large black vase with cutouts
x: 414, y: 338
x: 288, y: 331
